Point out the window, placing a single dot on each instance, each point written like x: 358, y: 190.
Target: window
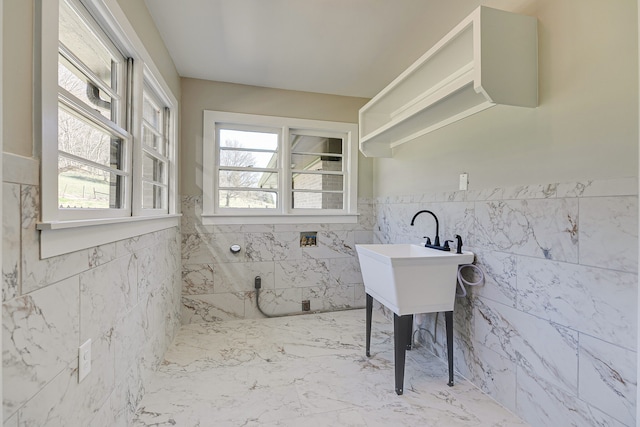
x: 107, y: 130
x: 278, y: 169
x: 156, y: 119
x: 93, y: 173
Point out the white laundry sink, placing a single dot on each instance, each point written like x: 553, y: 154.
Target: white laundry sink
x: 411, y: 279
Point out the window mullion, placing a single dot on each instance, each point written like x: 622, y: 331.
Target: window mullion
x: 285, y: 157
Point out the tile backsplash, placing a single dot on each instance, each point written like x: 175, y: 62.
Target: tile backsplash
x: 124, y: 296
x: 552, y: 332
x: 219, y: 285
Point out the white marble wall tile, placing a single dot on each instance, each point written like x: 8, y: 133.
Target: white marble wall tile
x: 609, y: 232
x: 302, y: 273
x: 360, y: 295
x: 105, y: 416
x: 240, y: 277
x: 274, y: 302
x: 599, y: 188
x: 332, y: 244
x: 11, y: 422
x: 10, y: 240
x: 198, y: 279
x: 37, y: 273
x: 136, y: 243
x: 129, y: 335
x: 491, y: 372
x: 107, y: 294
x: 540, y: 228
x: 607, y: 378
x: 485, y: 194
x: 345, y: 271
x: 64, y: 401
x: 596, y: 301
x: 327, y: 298
x: 523, y: 192
x: 540, y: 403
x: 101, y: 254
x: 500, y: 282
x: 363, y: 237
x: 39, y: 340
x: 127, y: 395
x: 533, y: 343
x: 273, y: 246
x: 212, y: 307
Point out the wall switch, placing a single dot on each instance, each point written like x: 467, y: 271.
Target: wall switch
x: 464, y: 181
x: 84, y: 360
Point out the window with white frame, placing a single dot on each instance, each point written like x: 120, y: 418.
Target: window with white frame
x: 108, y: 157
x: 156, y: 120
x: 93, y: 142
x: 278, y: 169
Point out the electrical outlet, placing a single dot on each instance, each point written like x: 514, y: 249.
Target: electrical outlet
x: 84, y: 360
x: 464, y: 181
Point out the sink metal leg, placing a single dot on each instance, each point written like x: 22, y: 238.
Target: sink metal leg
x: 400, y: 335
x: 409, y: 331
x: 448, y: 317
x: 369, y: 312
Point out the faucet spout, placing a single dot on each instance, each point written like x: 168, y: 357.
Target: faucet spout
x: 436, y: 241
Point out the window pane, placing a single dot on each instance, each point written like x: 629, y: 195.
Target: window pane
x: 153, y: 169
x: 152, y: 140
x: 247, y: 199
x: 248, y: 159
x: 308, y: 200
x: 248, y: 179
x: 71, y: 79
x: 83, y: 139
x: 315, y: 144
x: 316, y: 162
x: 248, y: 139
x: 85, y: 45
x: 308, y: 181
x: 83, y: 186
x: 152, y: 114
x: 152, y: 196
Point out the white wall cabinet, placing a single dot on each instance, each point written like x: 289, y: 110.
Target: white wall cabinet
x: 490, y: 58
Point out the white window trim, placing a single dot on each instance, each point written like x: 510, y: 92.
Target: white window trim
x: 59, y: 237
x: 283, y: 215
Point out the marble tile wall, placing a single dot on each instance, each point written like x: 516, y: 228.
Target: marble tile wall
x: 219, y: 285
x: 124, y: 296
x: 552, y: 332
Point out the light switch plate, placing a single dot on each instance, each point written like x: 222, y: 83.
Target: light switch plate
x: 84, y: 360
x: 464, y: 181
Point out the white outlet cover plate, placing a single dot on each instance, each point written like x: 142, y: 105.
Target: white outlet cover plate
x: 84, y: 360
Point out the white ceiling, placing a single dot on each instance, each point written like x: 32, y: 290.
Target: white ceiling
x: 343, y: 47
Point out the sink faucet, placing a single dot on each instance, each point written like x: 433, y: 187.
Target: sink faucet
x: 436, y: 242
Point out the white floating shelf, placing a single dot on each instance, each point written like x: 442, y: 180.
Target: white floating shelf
x: 490, y: 58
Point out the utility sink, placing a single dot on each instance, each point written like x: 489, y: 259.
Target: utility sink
x: 409, y: 278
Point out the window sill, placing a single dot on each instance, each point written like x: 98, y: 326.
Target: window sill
x: 62, y: 237
x: 222, y: 219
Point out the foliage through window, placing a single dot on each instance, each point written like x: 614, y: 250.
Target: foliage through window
x: 92, y: 140
x: 272, y: 166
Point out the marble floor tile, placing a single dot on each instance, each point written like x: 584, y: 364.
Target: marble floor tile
x: 305, y: 370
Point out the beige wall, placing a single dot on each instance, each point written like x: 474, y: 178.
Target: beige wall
x: 142, y: 22
x: 585, y: 127
x: 200, y: 95
x: 17, y: 76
